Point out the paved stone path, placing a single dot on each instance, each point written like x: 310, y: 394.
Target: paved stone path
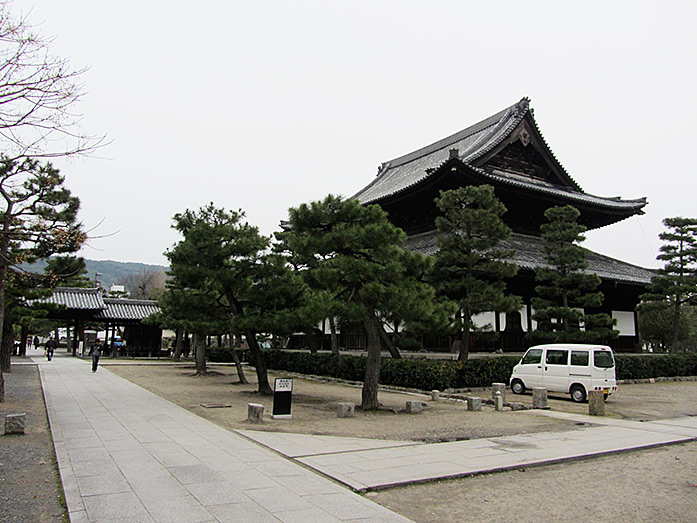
x: 127, y: 455
x: 363, y: 468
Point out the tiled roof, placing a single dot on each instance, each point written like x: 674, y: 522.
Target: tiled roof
x: 77, y: 298
x: 102, y: 308
x: 530, y: 255
x: 123, y: 309
x: 472, y: 143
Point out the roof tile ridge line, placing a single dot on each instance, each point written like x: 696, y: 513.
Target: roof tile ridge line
x: 449, y: 140
x: 539, y: 188
x: 554, y: 156
x: 511, y: 125
x: 608, y: 257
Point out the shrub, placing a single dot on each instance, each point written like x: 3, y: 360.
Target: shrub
x: 223, y: 354
x: 482, y: 372
x: 428, y: 375
x: 643, y: 366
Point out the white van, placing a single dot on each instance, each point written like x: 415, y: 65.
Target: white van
x: 569, y: 368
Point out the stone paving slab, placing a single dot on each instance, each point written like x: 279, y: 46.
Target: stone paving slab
x: 382, y: 465
x: 298, y: 445
x: 128, y: 455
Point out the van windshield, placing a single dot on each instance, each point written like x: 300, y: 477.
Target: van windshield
x: 532, y: 356
x: 603, y: 359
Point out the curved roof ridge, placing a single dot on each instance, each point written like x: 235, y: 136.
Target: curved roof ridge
x: 498, y: 118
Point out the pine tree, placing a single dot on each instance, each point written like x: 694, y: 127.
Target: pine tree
x: 565, y: 288
x: 675, y: 285
x: 471, y: 268
x: 225, y: 280
x: 355, y: 255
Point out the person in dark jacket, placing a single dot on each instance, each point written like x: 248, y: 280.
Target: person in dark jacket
x: 95, y: 352
x: 51, y: 346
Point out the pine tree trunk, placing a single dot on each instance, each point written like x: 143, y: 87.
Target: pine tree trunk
x: 257, y: 359
x: 6, y: 346
x: 23, y: 341
x: 676, y: 326
x: 178, y: 345
x: 334, y: 337
x: 464, y: 334
x: 371, y: 381
x: 2, y: 388
x: 238, y: 363
x: 200, y: 354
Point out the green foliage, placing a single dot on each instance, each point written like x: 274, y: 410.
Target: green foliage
x: 410, y: 373
x: 646, y: 366
x: 39, y: 218
x: 67, y: 271
x: 564, y: 288
x: 470, y: 267
x: 675, y: 285
x: 351, y: 256
x: 418, y: 374
x: 223, y: 354
x: 482, y: 372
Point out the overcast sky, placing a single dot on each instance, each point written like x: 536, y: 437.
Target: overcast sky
x: 263, y: 105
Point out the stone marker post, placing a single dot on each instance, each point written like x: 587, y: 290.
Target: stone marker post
x: 596, y: 403
x: 255, y: 412
x: 414, y: 407
x: 498, y: 401
x: 345, y: 410
x: 474, y: 403
x: 498, y: 387
x: 15, y: 423
x: 435, y: 395
x: 539, y: 398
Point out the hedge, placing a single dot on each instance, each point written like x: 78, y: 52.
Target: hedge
x: 643, y: 366
x: 427, y: 375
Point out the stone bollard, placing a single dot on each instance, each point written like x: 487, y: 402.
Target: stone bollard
x: 498, y: 387
x: 345, y: 410
x: 596, y: 403
x: 474, y: 403
x: 435, y: 395
x: 15, y: 423
x: 539, y: 398
x: 255, y: 413
x: 498, y: 401
x: 414, y: 407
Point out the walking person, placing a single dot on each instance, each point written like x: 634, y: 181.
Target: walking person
x: 37, y: 342
x: 51, y: 346
x: 95, y: 352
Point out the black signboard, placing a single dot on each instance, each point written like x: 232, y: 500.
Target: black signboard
x: 282, y: 396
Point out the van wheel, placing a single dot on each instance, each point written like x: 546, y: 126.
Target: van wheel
x: 518, y: 387
x: 578, y: 393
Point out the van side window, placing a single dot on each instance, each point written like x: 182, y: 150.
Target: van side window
x: 603, y: 359
x: 532, y: 356
x: 557, y: 357
x: 579, y: 357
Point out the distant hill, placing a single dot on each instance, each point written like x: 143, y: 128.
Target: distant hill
x: 111, y: 272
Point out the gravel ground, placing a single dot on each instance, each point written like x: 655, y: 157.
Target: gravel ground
x: 29, y: 481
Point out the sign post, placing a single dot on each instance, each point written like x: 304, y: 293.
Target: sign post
x: 282, y: 396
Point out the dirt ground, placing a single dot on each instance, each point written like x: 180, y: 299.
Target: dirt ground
x: 657, y: 485
x: 29, y: 483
